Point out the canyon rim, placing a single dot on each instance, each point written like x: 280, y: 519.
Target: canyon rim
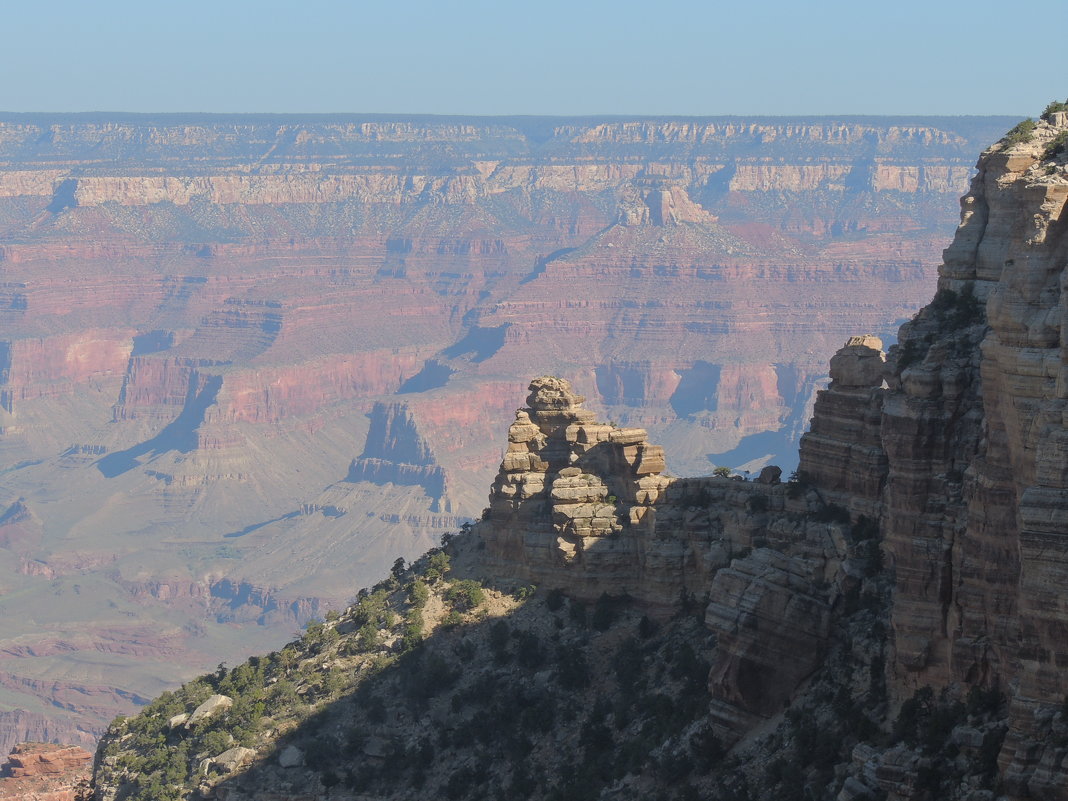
x: 248, y: 361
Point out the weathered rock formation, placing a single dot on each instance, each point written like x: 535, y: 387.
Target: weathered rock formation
x: 906, y: 589
x: 954, y: 445
x: 198, y: 314
x: 585, y: 506
x: 963, y: 458
x: 46, y: 772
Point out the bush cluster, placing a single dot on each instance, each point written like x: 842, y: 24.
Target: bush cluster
x: 1023, y: 131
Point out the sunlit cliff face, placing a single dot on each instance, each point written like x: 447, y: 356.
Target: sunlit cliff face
x: 243, y: 368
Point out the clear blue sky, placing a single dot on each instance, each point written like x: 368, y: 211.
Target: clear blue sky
x: 546, y: 57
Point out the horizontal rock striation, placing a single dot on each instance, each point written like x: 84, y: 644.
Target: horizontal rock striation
x: 585, y: 506
x: 46, y: 772
x: 964, y: 459
x: 952, y: 447
x: 197, y: 314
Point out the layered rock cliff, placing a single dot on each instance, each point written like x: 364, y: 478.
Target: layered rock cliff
x: 965, y: 460
x: 888, y: 623
x: 204, y: 320
x: 46, y: 772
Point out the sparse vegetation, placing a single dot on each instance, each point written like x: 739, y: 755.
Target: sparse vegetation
x: 1055, y: 146
x: 832, y: 513
x: 1053, y: 108
x: 957, y: 309
x: 1023, y: 131
x: 433, y: 684
x: 625, y: 690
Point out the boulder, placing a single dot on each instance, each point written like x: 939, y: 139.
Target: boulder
x: 290, y: 757
x: 213, y: 706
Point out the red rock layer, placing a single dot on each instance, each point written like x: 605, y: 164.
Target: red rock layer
x: 45, y: 772
x: 196, y: 316
x: 967, y: 460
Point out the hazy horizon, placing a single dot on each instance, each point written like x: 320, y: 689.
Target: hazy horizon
x: 475, y: 58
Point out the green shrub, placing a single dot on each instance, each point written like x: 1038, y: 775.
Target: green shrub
x: 529, y: 652
x: 796, y: 485
x: 1053, y: 108
x: 984, y: 700
x: 646, y: 628
x: 577, y: 612
x: 1023, y: 131
x: 418, y: 593
x: 452, y: 619
x: 499, y: 635
x: 367, y: 637
x: 1056, y: 145
x: 413, y: 629
x: 438, y: 564
x: 865, y: 528
x: 465, y: 595
x: 832, y: 513
x: 958, y: 309
x: 573, y: 671
x: 604, y: 612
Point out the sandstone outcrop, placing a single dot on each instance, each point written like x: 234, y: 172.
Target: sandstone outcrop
x: 585, y: 506
x: 953, y: 445
x: 198, y: 314
x: 962, y: 457
x: 46, y: 772
x: 900, y: 600
x: 577, y: 495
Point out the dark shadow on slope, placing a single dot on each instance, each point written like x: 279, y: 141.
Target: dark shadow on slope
x: 433, y: 376
x: 431, y: 478
x: 257, y: 526
x: 395, y: 452
x: 717, y: 187
x: 64, y: 197
x: 542, y: 263
x: 478, y: 344
x: 861, y: 176
x: 465, y: 713
x: 152, y: 342
x: 179, y: 435
x: 697, y: 390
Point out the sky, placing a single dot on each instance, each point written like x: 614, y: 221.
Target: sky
x: 668, y: 57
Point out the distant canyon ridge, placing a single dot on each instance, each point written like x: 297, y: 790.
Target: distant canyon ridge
x: 247, y: 361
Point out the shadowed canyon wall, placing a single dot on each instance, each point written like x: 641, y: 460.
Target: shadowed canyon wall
x: 245, y: 362
x: 952, y: 447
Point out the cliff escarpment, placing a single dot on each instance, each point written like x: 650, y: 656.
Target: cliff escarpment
x: 887, y: 623
x: 205, y: 322
x: 965, y: 456
x: 952, y: 447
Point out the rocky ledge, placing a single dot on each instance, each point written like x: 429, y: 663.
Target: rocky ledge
x: 46, y: 772
x: 890, y: 623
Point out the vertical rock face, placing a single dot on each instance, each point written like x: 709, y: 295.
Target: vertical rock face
x: 585, y: 506
x: 966, y: 457
x: 956, y: 443
x: 952, y: 447
x: 197, y: 315
x: 842, y: 452
x: 576, y: 496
